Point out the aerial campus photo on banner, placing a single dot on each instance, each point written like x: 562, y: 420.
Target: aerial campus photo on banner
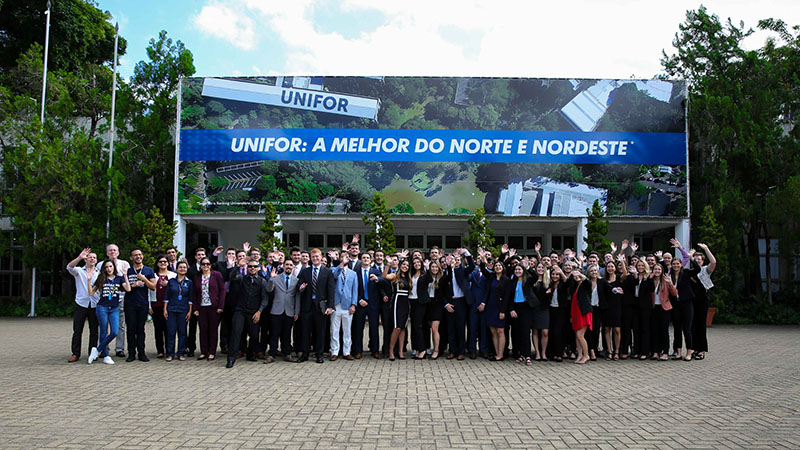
x: 433, y: 146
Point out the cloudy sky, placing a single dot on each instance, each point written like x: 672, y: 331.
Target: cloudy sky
x: 580, y: 38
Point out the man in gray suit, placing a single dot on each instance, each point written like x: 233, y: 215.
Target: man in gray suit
x: 284, y: 311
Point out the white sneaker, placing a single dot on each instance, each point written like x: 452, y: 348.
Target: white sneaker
x: 93, y: 355
x: 108, y: 360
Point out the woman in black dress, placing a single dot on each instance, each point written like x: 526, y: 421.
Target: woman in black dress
x: 559, y: 312
x: 496, y: 307
x: 401, y: 283
x: 540, y: 322
x: 433, y: 290
x: 612, y: 315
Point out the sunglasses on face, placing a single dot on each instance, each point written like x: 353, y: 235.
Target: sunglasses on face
x: 252, y: 267
x: 205, y: 264
x: 162, y: 262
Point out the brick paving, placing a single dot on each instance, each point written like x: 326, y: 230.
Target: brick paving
x: 746, y: 393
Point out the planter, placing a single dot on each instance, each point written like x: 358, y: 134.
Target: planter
x: 710, y: 316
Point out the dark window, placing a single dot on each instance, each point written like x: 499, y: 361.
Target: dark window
x: 208, y: 239
x: 335, y: 240
x: 316, y: 241
x: 434, y: 241
x: 569, y: 242
x: 416, y: 241
x: 452, y: 242
x: 531, y: 242
x: 292, y: 239
x: 556, y: 243
x: 515, y: 242
x: 400, y: 241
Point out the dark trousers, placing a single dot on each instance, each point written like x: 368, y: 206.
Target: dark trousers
x: 280, y: 326
x: 176, y: 323
x: 477, y: 330
x: 522, y: 331
x: 682, y: 317
x: 626, y: 339
x: 456, y: 324
x: 386, y: 319
x: 417, y: 322
x: 208, y: 322
x: 699, y: 338
x: 559, y: 319
x: 659, y: 330
x: 135, y: 319
x: 312, y: 326
x: 159, y: 328
x: 79, y: 318
x: 263, y: 335
x: 242, y: 323
x: 226, y: 326
x: 593, y: 335
x: 362, y: 315
x: 191, y: 338
x: 643, y: 336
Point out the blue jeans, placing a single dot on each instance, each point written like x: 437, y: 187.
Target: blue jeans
x: 107, y: 316
x: 176, y: 323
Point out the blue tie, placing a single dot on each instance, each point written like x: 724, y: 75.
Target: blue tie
x: 366, y: 293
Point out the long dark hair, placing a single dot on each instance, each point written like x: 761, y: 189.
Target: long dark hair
x: 101, y: 277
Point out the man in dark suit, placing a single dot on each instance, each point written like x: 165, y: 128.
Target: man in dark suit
x: 461, y: 299
x: 284, y: 310
x: 317, y: 287
x: 191, y: 273
x: 370, y: 297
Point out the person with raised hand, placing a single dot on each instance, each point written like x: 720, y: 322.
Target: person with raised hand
x: 110, y: 285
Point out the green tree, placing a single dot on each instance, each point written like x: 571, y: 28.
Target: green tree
x: 156, y: 235
x: 217, y: 183
x: 480, y: 233
x: 403, y: 208
x: 267, y: 240
x: 381, y: 229
x: 742, y: 116
x: 596, y: 230
x: 80, y: 33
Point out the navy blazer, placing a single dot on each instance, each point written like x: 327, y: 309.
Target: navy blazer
x: 480, y: 287
x: 326, y: 289
x: 374, y: 288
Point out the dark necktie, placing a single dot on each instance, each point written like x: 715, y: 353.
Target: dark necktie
x: 287, y: 283
x: 366, y: 278
x: 314, y: 282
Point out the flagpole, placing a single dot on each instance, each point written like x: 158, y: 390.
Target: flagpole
x: 111, y: 146
x: 41, y: 121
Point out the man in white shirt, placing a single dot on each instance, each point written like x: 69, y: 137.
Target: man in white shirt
x: 84, y: 303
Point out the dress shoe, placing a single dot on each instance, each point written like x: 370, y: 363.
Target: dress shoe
x: 485, y: 355
x: 73, y: 358
x: 269, y: 359
x: 302, y: 358
x: 460, y: 357
x: 377, y: 355
x: 251, y: 358
x: 279, y: 354
x: 288, y: 358
x: 261, y: 355
x: 320, y: 360
x: 230, y: 363
x: 130, y: 358
x: 349, y: 357
x: 358, y: 356
x: 450, y: 356
x: 120, y: 354
x: 190, y: 353
x: 144, y: 358
x: 333, y: 358
x: 472, y: 356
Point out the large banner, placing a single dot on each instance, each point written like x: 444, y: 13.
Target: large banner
x: 516, y: 147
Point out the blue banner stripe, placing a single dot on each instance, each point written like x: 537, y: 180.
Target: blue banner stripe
x: 481, y: 146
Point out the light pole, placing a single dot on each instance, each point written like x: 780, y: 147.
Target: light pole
x: 111, y: 144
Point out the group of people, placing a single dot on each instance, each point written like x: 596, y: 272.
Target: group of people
x: 617, y: 305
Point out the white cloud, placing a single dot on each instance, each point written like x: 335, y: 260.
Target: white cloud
x: 583, y: 38
x: 228, y: 24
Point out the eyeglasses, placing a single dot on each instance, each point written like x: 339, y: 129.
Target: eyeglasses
x: 205, y: 264
x: 252, y: 267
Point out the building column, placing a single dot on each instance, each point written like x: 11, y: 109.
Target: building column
x: 683, y: 235
x: 580, y: 243
x: 547, y: 243
x: 180, y: 235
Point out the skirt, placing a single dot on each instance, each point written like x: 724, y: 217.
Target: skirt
x: 400, y: 309
x: 579, y: 320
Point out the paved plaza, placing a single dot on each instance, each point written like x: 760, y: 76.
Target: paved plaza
x: 746, y: 393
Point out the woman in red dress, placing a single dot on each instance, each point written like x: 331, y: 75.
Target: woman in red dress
x: 581, y: 313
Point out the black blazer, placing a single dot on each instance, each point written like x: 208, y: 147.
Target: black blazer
x: 527, y: 290
x: 326, y: 287
x: 684, y: 284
